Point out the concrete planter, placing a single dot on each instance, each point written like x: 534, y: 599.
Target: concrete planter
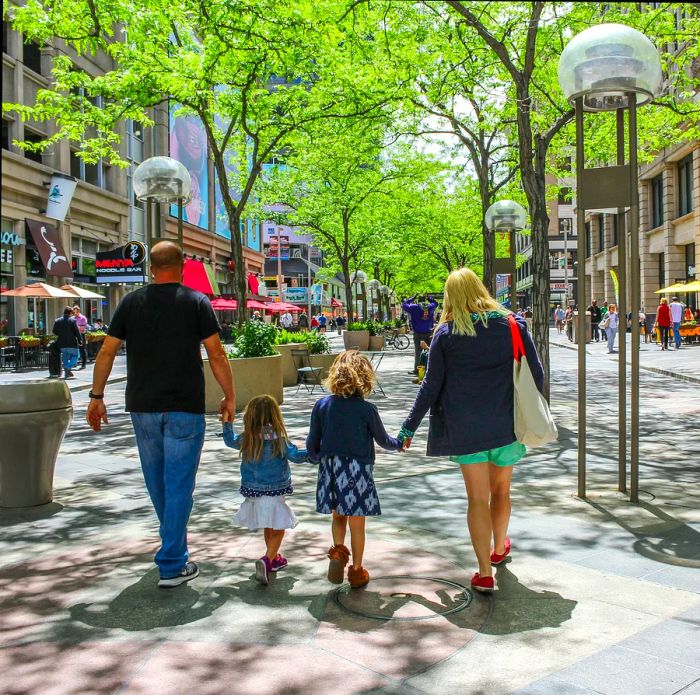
x: 376, y: 343
x: 252, y: 376
x: 356, y: 340
x: 34, y: 416
x: 289, y: 370
x: 323, y: 361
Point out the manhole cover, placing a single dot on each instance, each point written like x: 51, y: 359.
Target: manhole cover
x: 404, y: 598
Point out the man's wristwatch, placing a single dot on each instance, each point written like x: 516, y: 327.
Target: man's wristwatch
x: 96, y: 396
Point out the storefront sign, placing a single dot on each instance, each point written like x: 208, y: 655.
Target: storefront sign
x: 50, y: 249
x: 60, y: 196
x: 11, y: 239
x: 296, y: 294
x: 123, y: 264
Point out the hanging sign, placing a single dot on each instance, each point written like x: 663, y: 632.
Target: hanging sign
x: 48, y: 243
x: 60, y: 196
x: 123, y: 264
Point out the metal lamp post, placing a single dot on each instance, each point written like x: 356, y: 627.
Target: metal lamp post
x: 162, y: 180
x: 507, y: 217
x: 611, y: 67
x: 359, y: 278
x: 384, y: 293
x: 373, y: 286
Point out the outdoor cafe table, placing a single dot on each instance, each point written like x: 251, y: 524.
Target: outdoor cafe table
x: 375, y: 358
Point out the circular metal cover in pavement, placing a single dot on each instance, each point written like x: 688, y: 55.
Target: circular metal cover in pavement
x: 404, y: 598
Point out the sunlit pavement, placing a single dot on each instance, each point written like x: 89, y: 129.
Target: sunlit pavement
x: 599, y: 596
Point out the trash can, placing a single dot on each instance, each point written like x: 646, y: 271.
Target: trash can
x: 34, y: 417
x: 589, y: 327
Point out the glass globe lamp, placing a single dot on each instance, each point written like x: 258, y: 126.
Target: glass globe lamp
x: 373, y: 284
x: 384, y: 291
x: 606, y: 62
x: 358, y: 277
x: 163, y: 180
x: 505, y: 216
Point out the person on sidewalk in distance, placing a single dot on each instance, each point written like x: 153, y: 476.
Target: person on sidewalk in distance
x: 604, y: 310
x: 303, y: 322
x: 594, y: 311
x: 82, y: 324
x: 664, y: 321
x: 322, y: 322
x: 676, y: 319
x: 165, y: 394
x: 422, y: 315
x: 569, y: 323
x: 422, y: 362
x: 67, y: 341
x: 340, y: 323
x: 559, y: 318
x: 286, y: 320
x: 612, y: 325
x: 468, y: 389
x: 314, y: 324
x: 265, y: 478
x: 344, y: 427
x: 649, y: 332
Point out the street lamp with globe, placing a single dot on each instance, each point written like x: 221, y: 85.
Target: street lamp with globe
x: 359, y: 278
x: 373, y: 286
x: 611, y: 67
x: 505, y: 217
x: 162, y: 180
x: 384, y: 293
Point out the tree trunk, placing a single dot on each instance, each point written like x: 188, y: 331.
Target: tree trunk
x: 348, y: 290
x: 240, y: 281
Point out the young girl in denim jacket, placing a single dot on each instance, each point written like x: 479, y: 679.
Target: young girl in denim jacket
x: 265, y: 478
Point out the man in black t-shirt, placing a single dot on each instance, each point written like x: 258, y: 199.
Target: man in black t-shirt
x: 594, y: 311
x: 164, y: 324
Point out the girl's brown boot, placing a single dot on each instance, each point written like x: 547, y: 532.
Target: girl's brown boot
x: 358, y: 577
x: 338, y: 556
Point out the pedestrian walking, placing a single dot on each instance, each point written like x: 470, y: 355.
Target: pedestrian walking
x: 265, y: 478
x: 664, y: 320
x: 82, y: 324
x: 569, y: 323
x: 422, y: 315
x: 594, y: 311
x: 164, y: 324
x: 286, y: 320
x: 344, y: 427
x: 604, y: 310
x: 303, y: 322
x: 559, y: 314
x: 322, y: 322
x: 468, y: 389
x: 67, y: 341
x: 676, y: 319
x: 649, y: 322
x: 612, y: 324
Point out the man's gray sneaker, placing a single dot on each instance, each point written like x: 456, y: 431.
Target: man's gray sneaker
x: 189, y: 571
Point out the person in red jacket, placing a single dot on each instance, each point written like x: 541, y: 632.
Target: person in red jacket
x: 663, y: 321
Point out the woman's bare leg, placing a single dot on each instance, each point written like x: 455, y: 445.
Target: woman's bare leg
x: 477, y: 483
x: 499, y: 479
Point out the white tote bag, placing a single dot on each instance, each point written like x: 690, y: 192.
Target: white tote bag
x: 534, y: 425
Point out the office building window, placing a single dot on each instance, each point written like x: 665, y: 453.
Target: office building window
x: 615, y: 230
x: 601, y: 232
x: 90, y: 173
x: 690, y: 269
x: 32, y: 56
x: 5, y: 134
x: 662, y: 270
x: 5, y: 35
x: 657, y: 201
x: 685, y: 185
x: 589, y: 240
x: 30, y: 136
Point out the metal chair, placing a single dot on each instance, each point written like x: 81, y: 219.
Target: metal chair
x: 305, y: 372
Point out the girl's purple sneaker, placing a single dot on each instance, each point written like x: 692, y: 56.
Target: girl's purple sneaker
x: 263, y: 567
x: 278, y: 563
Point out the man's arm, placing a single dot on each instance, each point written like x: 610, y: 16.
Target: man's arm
x: 218, y: 361
x: 97, y: 410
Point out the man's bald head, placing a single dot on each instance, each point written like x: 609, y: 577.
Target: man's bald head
x: 166, y: 255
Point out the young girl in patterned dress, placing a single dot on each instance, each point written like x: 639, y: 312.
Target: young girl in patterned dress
x: 342, y: 433
x: 265, y: 478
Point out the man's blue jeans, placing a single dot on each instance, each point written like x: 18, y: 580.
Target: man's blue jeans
x: 677, y: 333
x: 69, y: 357
x: 170, y: 445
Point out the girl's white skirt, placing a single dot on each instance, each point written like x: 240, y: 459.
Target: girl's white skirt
x: 265, y: 512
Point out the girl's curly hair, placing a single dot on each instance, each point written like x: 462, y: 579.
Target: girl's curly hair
x: 351, y: 375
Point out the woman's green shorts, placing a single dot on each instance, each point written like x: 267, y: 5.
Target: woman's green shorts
x: 502, y: 456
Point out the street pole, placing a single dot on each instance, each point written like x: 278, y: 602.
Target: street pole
x: 622, y: 312
x: 308, y: 283
x: 566, y: 269
x: 149, y: 234
x: 279, y: 264
x: 581, y: 300
x: 635, y: 297
x: 180, y: 202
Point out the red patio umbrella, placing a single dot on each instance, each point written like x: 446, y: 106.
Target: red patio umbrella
x: 220, y: 304
x: 254, y: 304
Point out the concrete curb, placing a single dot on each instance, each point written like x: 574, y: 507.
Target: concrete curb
x: 655, y: 370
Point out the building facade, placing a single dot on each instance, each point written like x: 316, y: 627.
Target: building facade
x: 104, y: 213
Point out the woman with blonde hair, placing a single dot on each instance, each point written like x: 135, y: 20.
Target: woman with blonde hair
x: 468, y: 388
x: 612, y: 323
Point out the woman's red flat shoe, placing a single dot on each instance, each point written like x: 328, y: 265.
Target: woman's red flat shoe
x: 482, y: 584
x: 497, y: 559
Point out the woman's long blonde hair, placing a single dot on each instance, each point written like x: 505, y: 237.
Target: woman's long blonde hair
x: 262, y: 417
x: 465, y: 295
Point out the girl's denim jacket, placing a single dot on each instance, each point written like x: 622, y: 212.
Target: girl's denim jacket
x: 269, y: 476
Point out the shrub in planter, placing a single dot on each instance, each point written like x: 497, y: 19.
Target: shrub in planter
x: 29, y: 341
x: 4, y: 342
x: 257, y: 339
x: 357, y: 336
x: 95, y: 336
x: 285, y: 337
x: 317, y: 343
